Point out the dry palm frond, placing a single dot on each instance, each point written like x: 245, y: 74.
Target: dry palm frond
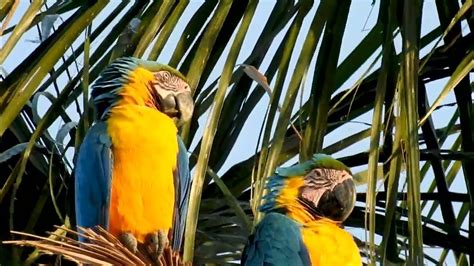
x: 101, y: 248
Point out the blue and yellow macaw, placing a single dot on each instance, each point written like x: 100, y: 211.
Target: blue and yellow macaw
x: 304, y: 207
x: 132, y: 175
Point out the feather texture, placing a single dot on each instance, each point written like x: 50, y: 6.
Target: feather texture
x: 93, y: 175
x: 318, y: 160
x: 145, y: 153
x: 183, y: 189
x: 277, y: 241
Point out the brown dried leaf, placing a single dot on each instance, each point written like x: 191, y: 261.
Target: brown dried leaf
x: 102, y: 248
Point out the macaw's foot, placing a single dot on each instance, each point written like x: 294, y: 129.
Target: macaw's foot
x: 156, y: 243
x: 129, y: 241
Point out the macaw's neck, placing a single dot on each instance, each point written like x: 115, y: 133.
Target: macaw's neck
x: 284, y: 196
x: 288, y: 200
x: 123, y: 83
x: 137, y: 90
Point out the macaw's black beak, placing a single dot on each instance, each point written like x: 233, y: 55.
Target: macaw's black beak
x: 179, y: 107
x: 185, y: 106
x: 337, y: 204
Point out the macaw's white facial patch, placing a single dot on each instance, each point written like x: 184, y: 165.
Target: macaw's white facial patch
x: 164, y: 80
x: 173, y: 96
x: 320, y: 180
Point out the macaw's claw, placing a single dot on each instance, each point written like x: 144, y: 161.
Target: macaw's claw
x: 156, y: 243
x: 129, y: 241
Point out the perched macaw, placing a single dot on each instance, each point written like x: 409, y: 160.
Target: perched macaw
x: 304, y: 207
x: 132, y: 173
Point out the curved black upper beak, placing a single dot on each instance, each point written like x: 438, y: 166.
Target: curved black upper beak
x: 338, y: 203
x: 179, y: 107
x: 185, y: 106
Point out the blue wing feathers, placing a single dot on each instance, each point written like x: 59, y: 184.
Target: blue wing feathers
x: 93, y: 176
x: 183, y: 189
x: 276, y: 241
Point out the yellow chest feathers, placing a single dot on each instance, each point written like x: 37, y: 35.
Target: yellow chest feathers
x: 328, y: 244
x: 145, y: 149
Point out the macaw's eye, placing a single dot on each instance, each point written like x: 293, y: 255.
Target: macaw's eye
x: 187, y: 88
x: 165, y: 76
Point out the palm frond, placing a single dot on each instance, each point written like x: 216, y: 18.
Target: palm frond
x: 99, y: 248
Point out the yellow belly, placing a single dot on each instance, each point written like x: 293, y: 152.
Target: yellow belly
x: 144, y: 148
x: 329, y: 245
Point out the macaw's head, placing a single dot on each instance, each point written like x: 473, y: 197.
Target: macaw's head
x: 320, y: 187
x: 130, y: 80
